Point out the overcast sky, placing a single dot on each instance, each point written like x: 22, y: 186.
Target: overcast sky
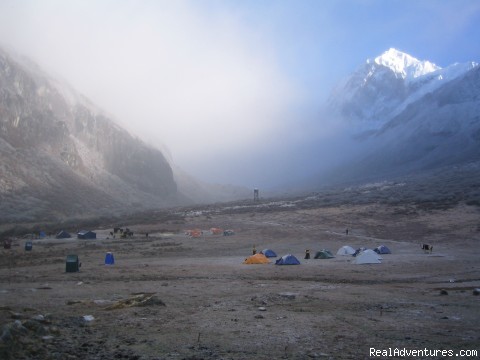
x: 232, y: 88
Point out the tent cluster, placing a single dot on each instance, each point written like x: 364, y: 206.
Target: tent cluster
x: 195, y: 233
x: 364, y: 255
x: 82, y: 234
x: 361, y: 256
x: 263, y: 258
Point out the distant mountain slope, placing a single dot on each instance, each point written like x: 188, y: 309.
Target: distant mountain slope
x: 441, y: 128
x: 404, y: 115
x: 62, y: 156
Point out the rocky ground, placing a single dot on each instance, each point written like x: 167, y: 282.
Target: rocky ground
x: 170, y: 296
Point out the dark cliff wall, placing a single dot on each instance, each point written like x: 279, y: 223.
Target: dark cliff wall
x: 49, y: 142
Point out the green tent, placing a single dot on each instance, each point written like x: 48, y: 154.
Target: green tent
x: 323, y: 254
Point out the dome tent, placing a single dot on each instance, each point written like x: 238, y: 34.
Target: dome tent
x: 346, y: 250
x: 382, y: 249
x: 63, y: 235
x: 268, y: 253
x: 366, y: 257
x: 288, y: 259
x: 257, y: 259
x: 324, y: 254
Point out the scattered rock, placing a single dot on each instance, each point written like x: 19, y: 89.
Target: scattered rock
x: 39, y: 318
x: 15, y: 315
x: 262, y: 308
x: 137, y: 300
x: 443, y: 292
x: 88, y: 318
x: 36, y: 327
x: 476, y: 291
x: 259, y: 317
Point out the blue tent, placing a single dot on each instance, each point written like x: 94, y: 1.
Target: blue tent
x: 382, y: 249
x: 268, y: 253
x: 287, y: 260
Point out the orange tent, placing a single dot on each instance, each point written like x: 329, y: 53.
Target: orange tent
x: 257, y: 259
x: 216, y: 231
x: 194, y: 233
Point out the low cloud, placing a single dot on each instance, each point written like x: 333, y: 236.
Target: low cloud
x: 198, y: 82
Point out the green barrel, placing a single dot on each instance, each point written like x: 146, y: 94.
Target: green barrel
x: 72, y: 264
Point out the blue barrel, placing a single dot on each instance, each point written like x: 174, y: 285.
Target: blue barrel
x: 109, y: 260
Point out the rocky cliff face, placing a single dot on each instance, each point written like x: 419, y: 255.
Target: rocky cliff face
x: 61, y: 156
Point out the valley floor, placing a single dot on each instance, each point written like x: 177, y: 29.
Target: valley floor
x: 170, y: 296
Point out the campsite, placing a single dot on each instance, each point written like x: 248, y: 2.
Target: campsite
x: 180, y: 295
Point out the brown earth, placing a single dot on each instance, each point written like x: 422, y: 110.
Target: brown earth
x: 170, y: 296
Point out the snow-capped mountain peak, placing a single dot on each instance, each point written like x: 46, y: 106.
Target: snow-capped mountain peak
x: 403, y: 65
x: 383, y: 87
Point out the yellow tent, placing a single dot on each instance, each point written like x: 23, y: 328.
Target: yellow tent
x: 257, y: 259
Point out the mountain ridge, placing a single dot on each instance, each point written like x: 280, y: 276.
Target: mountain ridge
x: 429, y: 122
x: 375, y: 92
x: 61, y: 156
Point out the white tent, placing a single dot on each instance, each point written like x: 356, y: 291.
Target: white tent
x: 366, y: 257
x: 370, y: 251
x: 346, y: 250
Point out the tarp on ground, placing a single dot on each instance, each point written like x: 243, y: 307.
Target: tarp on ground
x: 257, y: 259
x: 288, y: 259
x: 382, y: 249
x: 346, y: 250
x: 323, y: 254
x: 268, y: 253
